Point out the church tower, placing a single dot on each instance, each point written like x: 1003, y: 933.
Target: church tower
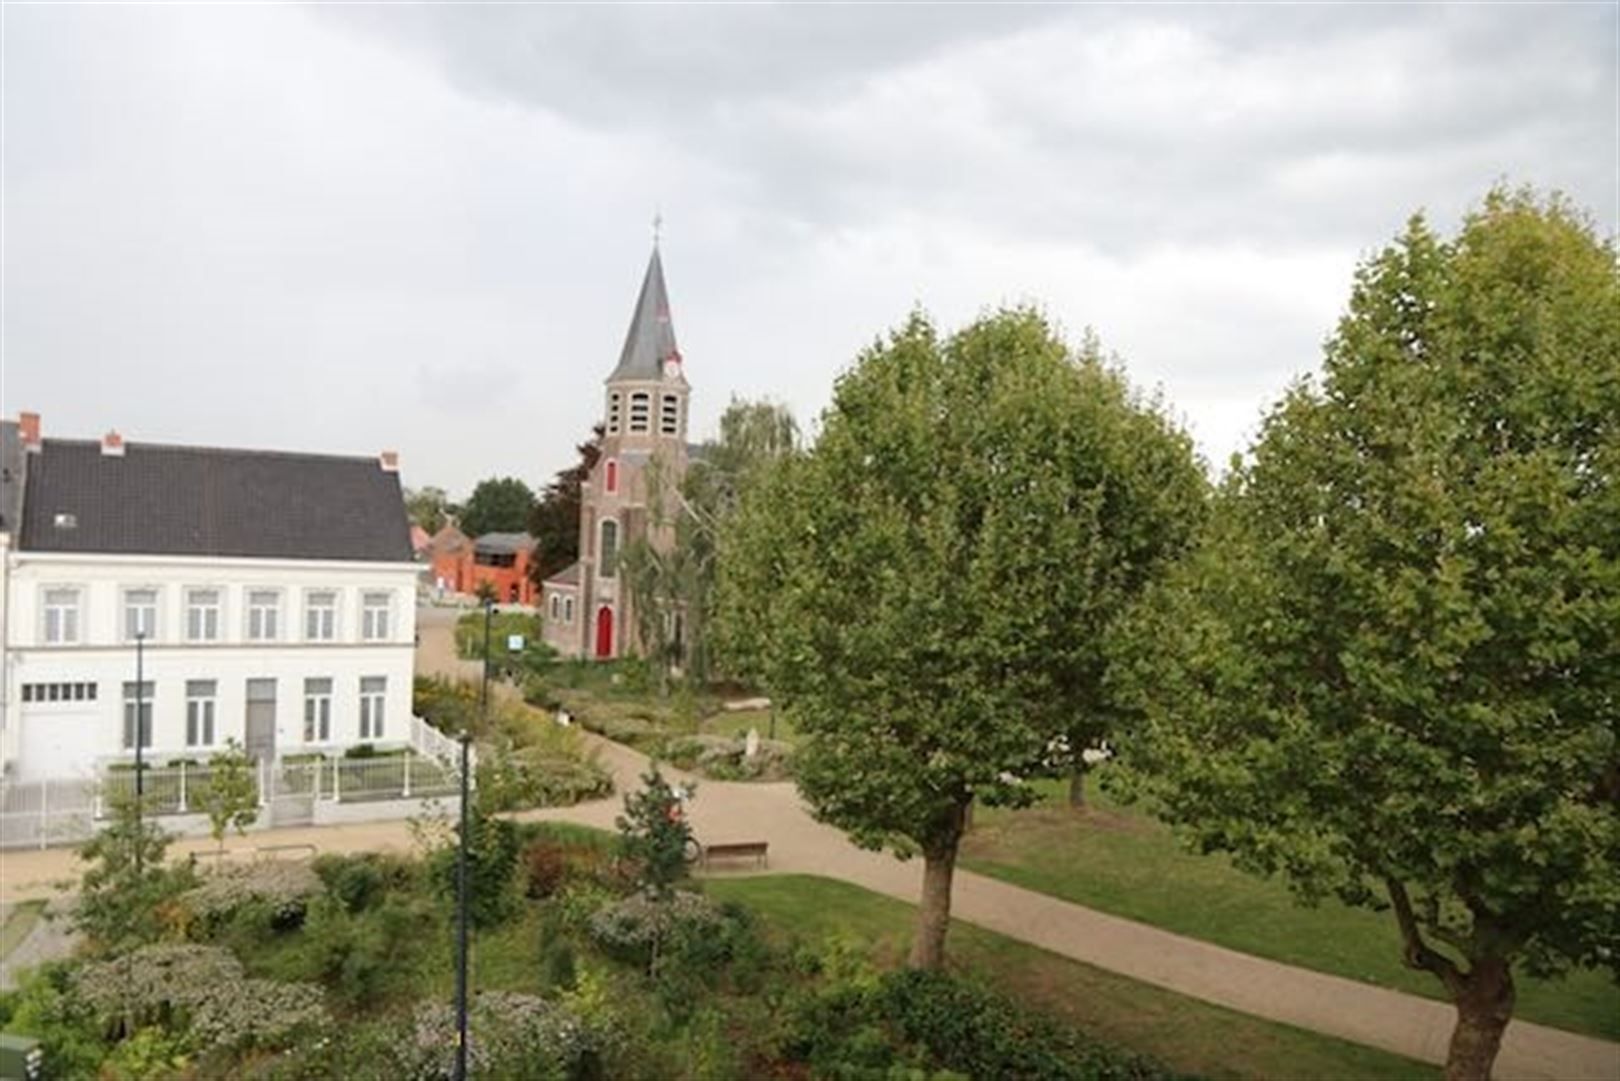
x: 644, y: 421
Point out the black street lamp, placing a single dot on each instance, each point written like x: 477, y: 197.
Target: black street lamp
x: 461, y: 917
x: 140, y: 726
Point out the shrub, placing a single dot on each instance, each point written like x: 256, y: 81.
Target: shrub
x: 204, y: 985
x: 124, y: 893
x: 491, y: 864
x: 281, y: 888
x: 367, y: 958
x: 69, y: 1034
x: 360, y: 882
x: 508, y: 1035
x: 654, y: 832
x: 545, y: 864
x: 636, y: 928
x: 984, y: 1034
x: 361, y: 750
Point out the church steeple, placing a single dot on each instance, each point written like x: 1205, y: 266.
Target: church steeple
x: 649, y: 347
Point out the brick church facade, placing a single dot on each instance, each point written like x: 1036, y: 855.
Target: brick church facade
x: 586, y: 607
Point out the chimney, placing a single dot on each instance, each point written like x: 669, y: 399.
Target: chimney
x: 29, y: 423
x: 389, y: 460
x: 112, y: 445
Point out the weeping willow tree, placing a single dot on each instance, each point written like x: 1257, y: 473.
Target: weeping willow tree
x: 669, y: 567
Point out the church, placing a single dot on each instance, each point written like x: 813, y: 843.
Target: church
x: 586, y: 607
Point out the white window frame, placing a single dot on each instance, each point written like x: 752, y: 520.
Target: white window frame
x: 150, y: 625
x: 318, y: 709
x: 373, y: 696
x: 217, y: 609
x: 128, y: 733
x: 261, y: 622
x: 61, y: 622
x: 201, y: 711
x: 331, y: 611
x: 375, y: 618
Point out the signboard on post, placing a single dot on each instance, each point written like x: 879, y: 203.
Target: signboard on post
x: 514, y: 643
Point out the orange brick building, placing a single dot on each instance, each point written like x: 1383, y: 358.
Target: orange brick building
x: 461, y: 564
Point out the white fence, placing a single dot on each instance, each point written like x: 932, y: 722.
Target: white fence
x: 312, y: 790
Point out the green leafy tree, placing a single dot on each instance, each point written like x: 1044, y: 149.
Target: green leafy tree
x: 428, y: 507
x: 554, y: 522
x: 497, y: 505
x: 924, y: 588
x: 671, y: 582
x: 123, y: 891
x: 492, y: 850
x: 1392, y: 673
x: 230, y: 798
x: 654, y: 833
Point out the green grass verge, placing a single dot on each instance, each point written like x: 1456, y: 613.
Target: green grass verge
x: 19, y: 923
x: 1184, y: 1033
x: 1120, y: 861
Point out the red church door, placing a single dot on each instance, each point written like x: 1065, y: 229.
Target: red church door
x: 604, y: 631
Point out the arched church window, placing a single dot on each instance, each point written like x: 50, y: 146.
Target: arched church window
x: 640, y: 411
x: 607, y: 552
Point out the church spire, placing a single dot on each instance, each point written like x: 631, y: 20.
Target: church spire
x: 650, y: 344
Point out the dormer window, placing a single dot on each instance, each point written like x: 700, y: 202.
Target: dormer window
x: 613, y: 413
x: 640, y: 411
x: 669, y: 415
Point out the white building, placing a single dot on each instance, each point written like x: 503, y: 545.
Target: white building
x: 273, y: 593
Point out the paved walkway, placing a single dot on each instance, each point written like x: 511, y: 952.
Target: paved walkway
x: 1405, y: 1024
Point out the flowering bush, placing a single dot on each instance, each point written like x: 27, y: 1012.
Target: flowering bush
x: 283, y: 887
x: 634, y: 928
x: 508, y: 1035
x: 204, y: 985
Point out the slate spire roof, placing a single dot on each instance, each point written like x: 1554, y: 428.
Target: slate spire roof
x: 651, y: 340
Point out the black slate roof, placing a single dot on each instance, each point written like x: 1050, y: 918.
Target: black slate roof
x: 651, y: 338
x: 203, y: 501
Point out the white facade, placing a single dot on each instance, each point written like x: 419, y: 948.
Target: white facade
x: 338, y: 674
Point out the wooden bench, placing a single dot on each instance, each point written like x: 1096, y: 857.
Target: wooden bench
x: 736, y: 848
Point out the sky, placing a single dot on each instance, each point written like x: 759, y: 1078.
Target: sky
x: 350, y: 228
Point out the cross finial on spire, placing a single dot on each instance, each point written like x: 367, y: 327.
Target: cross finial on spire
x: 658, y: 225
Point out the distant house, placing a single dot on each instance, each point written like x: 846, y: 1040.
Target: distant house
x: 274, y: 594
x: 462, y: 564
x: 420, y: 539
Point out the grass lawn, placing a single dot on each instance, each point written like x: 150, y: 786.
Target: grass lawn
x: 1117, y: 860
x: 18, y: 924
x: 1182, y: 1032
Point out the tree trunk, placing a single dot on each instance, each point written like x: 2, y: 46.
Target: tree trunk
x: 1077, y: 786
x: 1484, y: 1007
x: 934, y: 910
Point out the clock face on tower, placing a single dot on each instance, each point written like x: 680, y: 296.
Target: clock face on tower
x: 672, y: 367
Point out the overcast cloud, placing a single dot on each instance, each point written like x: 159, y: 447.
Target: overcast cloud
x: 350, y: 228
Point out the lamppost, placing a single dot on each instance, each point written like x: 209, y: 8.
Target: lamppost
x: 461, y: 918
x: 461, y: 855
x: 140, y: 727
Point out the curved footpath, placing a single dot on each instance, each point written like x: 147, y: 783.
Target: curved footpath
x: 1416, y: 1027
